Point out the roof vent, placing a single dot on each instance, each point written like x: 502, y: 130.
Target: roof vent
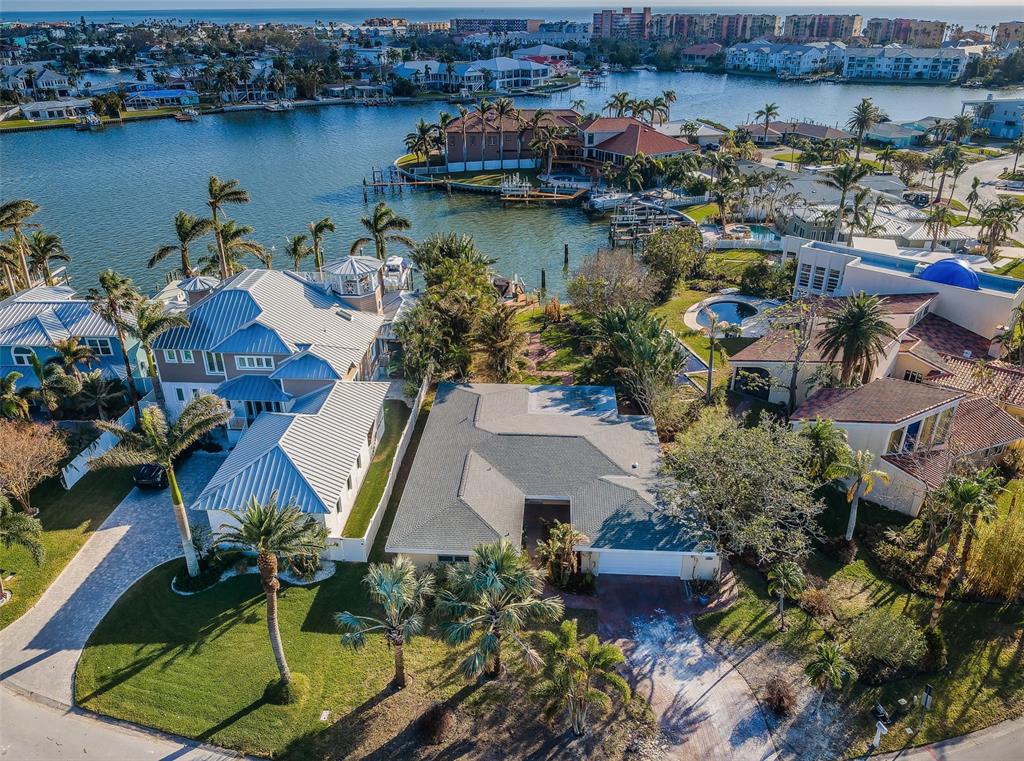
x: 635, y: 465
x: 344, y: 314
x: 967, y: 353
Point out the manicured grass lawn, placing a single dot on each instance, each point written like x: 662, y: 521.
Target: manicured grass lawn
x: 789, y: 158
x: 982, y: 685
x: 396, y: 413
x: 702, y: 212
x: 733, y: 261
x: 1014, y: 269
x: 197, y: 666
x: 492, y: 179
x: 68, y: 518
x: 559, y: 337
x: 13, y: 125
x: 673, y: 309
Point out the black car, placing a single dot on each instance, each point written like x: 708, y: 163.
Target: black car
x: 150, y: 476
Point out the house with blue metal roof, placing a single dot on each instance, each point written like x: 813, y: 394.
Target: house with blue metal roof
x: 33, y: 320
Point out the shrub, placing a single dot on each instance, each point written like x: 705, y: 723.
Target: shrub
x: 843, y: 551
x: 996, y: 566
x: 292, y: 693
x: 779, y: 696
x: 305, y: 566
x: 436, y: 723
x: 883, y: 643
x: 936, y: 655
x: 817, y: 603
x: 211, y: 566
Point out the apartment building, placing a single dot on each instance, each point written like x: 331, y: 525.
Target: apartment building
x: 500, y: 73
x: 784, y: 58
x: 494, y: 25
x: 715, y: 27
x: 812, y: 27
x: 1002, y: 117
x: 1009, y: 31
x: 625, y: 24
x: 905, y: 31
x: 896, y: 62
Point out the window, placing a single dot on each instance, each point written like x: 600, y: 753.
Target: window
x: 913, y: 434
x: 833, y: 280
x: 818, y: 281
x: 23, y: 355
x: 895, y: 438
x: 804, y: 279
x: 214, y: 363
x: 913, y: 376
x: 254, y: 362
x: 195, y: 393
x: 942, y: 426
x: 186, y: 356
x: 348, y: 483
x: 359, y: 461
x: 253, y: 409
x: 925, y: 439
x: 100, y: 346
x: 170, y: 357
x: 453, y: 558
x: 180, y: 393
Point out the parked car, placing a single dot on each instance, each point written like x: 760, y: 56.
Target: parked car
x: 150, y: 476
x: 713, y: 147
x: 780, y: 164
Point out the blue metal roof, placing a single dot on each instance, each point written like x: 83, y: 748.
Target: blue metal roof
x: 306, y: 366
x: 254, y: 339
x: 163, y: 94
x: 212, y: 320
x: 251, y: 388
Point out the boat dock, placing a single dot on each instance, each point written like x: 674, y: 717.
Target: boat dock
x: 632, y: 223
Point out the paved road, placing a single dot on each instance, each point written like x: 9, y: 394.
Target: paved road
x: 989, y: 172
x: 1003, y: 742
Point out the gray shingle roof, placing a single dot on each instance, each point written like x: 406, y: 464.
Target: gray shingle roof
x: 487, y: 448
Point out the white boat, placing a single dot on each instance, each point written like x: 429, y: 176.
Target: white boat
x: 110, y: 70
x: 281, y: 105
x: 606, y: 201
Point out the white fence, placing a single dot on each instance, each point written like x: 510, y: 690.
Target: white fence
x: 357, y: 549
x: 75, y: 470
x: 757, y: 245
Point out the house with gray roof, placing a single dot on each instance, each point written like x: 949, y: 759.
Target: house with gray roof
x: 263, y: 339
x: 497, y: 461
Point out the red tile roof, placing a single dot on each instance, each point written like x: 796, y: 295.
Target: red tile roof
x: 702, y: 48
x: 947, y: 338
x: 978, y: 424
x: 639, y: 138
x: 997, y: 380
x: 886, y: 400
x: 608, y: 124
x: 778, y: 346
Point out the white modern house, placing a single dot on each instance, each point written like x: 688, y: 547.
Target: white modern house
x: 784, y: 58
x: 501, y: 461
x: 503, y: 74
x: 50, y: 110
x: 896, y: 62
x: 1002, y: 117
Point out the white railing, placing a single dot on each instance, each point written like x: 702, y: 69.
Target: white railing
x: 75, y: 470
x: 752, y: 243
x: 357, y: 549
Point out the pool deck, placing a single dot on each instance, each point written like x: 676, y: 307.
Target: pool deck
x: 751, y: 327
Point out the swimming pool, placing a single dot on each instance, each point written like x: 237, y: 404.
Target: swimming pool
x: 760, y: 232
x: 733, y: 312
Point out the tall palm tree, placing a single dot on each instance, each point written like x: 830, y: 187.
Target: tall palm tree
x: 501, y: 342
x: 503, y: 109
x: 483, y: 110
x: 765, y: 115
x: 859, y: 332
x: 985, y: 511
x: 12, y: 403
x: 885, y: 156
x: 43, y: 248
x: 19, y: 529
x: 10, y: 263
x: 547, y: 142
x: 828, y: 669
x: 219, y: 194
x: 957, y: 168
x: 401, y: 594
x: 113, y: 301
x: 578, y: 676
x: 100, y: 393
x: 463, y: 117
x: 951, y: 155
x: 961, y: 127
x: 828, y: 445
x: 973, y: 196
x: 236, y: 245
x: 54, y: 385
x: 1017, y: 146
x: 785, y: 579
x: 864, y: 116
x: 863, y: 478
x: 844, y: 178
x: 13, y: 217
x: 997, y: 220
x: 940, y: 219
x: 959, y: 498
x: 420, y: 142
x: 296, y: 249
x: 383, y: 226
x: 71, y: 353
x: 188, y: 229
x: 273, y: 532
x: 618, y: 104
x: 150, y: 320
x: 498, y: 595
x: 317, y: 230
x: 157, y: 442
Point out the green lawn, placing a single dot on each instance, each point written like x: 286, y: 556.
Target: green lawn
x: 567, y: 356
x: 68, y: 518
x: 396, y: 413
x: 1014, y: 269
x: 197, y: 666
x: 983, y: 684
x: 702, y: 212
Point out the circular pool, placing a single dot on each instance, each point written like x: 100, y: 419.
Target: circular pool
x: 733, y: 312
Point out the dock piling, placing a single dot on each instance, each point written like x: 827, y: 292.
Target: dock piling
x: 565, y: 257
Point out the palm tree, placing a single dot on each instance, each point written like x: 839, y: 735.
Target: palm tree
x: 862, y: 481
x: 273, y: 532
x: 483, y: 110
x: 1017, y: 147
x: 828, y: 445
x: 950, y: 156
x: 940, y: 219
x: 957, y: 168
x: 859, y: 332
x: 54, y: 385
x: 997, y: 220
x: 12, y: 403
x: 785, y: 579
x: 317, y: 230
x: 152, y: 319
x: 844, y: 178
x: 421, y: 141
x: 547, y: 142
x: 885, y: 156
x: 14, y: 216
x: 463, y: 116
x: 296, y: 249
x: 985, y: 511
x: 497, y: 595
x: 219, y: 193
x: 43, y: 248
x: 558, y: 552
x: 157, y: 442
x: 71, y: 352
x: 100, y: 393
x: 503, y: 109
x: 402, y: 596
x: 864, y: 116
x: 19, y: 529
x: 578, y: 676
x: 383, y: 227
x: 236, y: 245
x: 188, y: 229
x: 961, y: 127
x: 828, y: 669
x: 765, y: 115
x: 113, y: 301
x: 973, y: 196
x: 959, y: 498
x: 10, y: 262
x: 501, y: 342
x: 618, y: 104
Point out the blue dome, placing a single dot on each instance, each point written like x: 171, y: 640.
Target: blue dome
x: 951, y: 272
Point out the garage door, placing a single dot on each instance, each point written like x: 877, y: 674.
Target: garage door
x: 640, y: 563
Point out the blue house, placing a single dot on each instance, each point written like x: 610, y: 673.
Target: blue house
x: 33, y: 320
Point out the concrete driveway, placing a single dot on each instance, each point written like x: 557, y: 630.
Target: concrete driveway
x: 704, y: 707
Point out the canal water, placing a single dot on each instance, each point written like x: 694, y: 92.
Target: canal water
x: 112, y: 195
